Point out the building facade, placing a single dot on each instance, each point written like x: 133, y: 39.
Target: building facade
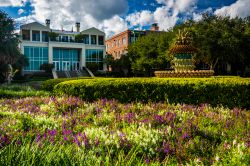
x: 42, y: 45
x: 118, y: 44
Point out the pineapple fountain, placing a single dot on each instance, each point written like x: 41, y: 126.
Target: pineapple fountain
x: 183, y: 61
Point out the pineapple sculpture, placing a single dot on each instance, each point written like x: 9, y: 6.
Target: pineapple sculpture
x: 183, y: 52
x: 183, y: 61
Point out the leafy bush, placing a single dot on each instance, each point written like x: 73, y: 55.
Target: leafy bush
x: 230, y: 92
x: 48, y: 85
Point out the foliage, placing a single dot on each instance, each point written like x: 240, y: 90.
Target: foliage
x: 230, y: 92
x: 9, y: 51
x: 79, y: 38
x: 48, y: 85
x: 108, y: 59
x: 53, y: 36
x: 18, y: 91
x: 149, y: 52
x: 221, y: 40
x: 70, y: 131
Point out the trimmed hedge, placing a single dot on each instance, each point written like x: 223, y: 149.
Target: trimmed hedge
x: 229, y: 92
x: 48, y: 85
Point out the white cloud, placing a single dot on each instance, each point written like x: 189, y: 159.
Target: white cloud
x: 198, y: 16
x: 142, y: 18
x: 66, y: 12
x: 240, y: 8
x: 178, y: 5
x: 105, y: 14
x: 166, y: 16
x: 114, y: 25
x: 7, y: 3
x: 20, y: 11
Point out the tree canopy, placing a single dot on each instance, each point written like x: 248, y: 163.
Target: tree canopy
x: 219, y: 40
x: 9, y: 50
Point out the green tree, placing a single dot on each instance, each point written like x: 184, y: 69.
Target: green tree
x: 108, y: 59
x: 149, y: 53
x: 9, y: 51
x: 220, y: 40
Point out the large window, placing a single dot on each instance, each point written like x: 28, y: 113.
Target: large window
x: 93, y: 39
x: 101, y: 40
x: 36, y: 57
x: 35, y: 35
x: 94, y: 58
x: 26, y: 34
x: 45, y: 36
x: 66, y: 59
x: 86, y: 39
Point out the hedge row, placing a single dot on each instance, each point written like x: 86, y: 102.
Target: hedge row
x: 229, y: 92
x: 48, y: 85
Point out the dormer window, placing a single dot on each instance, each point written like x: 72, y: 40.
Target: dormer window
x: 100, y: 40
x: 35, y: 35
x: 93, y: 39
x: 26, y: 34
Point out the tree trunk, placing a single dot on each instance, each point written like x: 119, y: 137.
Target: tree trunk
x: 212, y: 66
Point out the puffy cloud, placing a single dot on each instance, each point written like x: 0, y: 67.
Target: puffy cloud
x: 7, y: 3
x: 142, y: 18
x: 66, y: 12
x: 178, y: 5
x: 239, y: 8
x: 166, y: 16
x: 113, y: 25
x: 20, y: 11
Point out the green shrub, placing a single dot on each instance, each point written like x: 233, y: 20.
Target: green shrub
x: 229, y: 92
x: 48, y: 85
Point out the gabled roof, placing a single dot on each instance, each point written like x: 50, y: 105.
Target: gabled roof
x: 93, y: 30
x: 34, y: 25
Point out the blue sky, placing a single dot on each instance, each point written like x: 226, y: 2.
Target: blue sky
x: 114, y: 16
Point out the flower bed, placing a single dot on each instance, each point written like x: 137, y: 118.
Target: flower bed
x: 68, y: 131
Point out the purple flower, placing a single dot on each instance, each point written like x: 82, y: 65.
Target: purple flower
x: 97, y: 142
x: 147, y: 161
x: 52, y: 132
x: 18, y: 142
x: 67, y: 132
x: 185, y: 135
x: 166, y: 148
x: 159, y: 119
x: 38, y: 138
x: 76, y: 141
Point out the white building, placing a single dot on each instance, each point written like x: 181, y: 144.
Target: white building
x: 63, y: 50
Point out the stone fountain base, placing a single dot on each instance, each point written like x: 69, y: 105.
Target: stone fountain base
x: 192, y: 73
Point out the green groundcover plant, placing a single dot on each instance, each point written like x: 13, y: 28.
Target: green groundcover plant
x: 71, y: 131
x: 18, y: 91
x: 229, y: 92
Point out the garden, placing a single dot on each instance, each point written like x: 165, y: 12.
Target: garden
x: 109, y: 122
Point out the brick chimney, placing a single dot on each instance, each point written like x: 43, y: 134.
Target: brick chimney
x: 154, y: 27
x: 77, y: 27
x: 47, y: 22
